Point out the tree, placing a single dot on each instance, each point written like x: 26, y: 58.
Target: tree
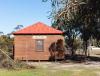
x: 57, y: 50
x: 89, y: 27
x: 80, y: 16
x: 1, y: 33
x: 64, y: 20
x: 18, y: 27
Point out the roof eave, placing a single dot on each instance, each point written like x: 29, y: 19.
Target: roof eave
x: 38, y: 33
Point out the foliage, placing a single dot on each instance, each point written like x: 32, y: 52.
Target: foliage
x: 6, y: 54
x: 77, y: 18
x: 6, y: 44
x: 89, y: 21
x: 18, y: 27
x: 57, y: 50
x: 9, y: 63
x: 22, y: 65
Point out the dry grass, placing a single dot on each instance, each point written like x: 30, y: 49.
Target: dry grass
x: 47, y: 72
x: 55, y: 69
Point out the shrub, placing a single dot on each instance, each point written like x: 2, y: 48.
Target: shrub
x: 23, y: 65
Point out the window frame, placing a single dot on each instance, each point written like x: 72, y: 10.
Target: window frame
x: 37, y: 45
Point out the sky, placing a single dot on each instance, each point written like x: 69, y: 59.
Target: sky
x: 22, y: 12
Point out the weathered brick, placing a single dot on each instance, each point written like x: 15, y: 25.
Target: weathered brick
x: 24, y: 48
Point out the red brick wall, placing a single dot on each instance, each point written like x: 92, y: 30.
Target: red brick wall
x: 25, y: 47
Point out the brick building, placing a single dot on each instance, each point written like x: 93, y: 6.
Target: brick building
x: 33, y: 42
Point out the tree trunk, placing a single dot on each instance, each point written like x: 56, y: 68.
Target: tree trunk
x: 85, y: 45
x: 72, y: 52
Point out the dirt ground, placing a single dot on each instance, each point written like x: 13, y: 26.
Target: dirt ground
x: 59, y: 65
x: 94, y: 63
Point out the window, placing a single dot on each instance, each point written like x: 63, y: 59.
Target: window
x: 39, y: 45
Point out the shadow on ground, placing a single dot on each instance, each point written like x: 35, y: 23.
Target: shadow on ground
x: 81, y: 58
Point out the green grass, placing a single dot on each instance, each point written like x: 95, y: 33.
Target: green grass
x: 36, y: 72
x: 50, y: 72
